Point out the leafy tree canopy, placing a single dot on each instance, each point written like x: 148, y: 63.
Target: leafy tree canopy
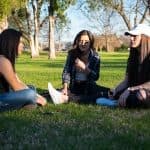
x: 7, y: 6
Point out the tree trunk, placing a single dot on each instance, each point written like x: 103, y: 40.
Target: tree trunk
x: 32, y: 46
x: 32, y: 35
x: 51, y: 38
x: 51, y: 30
x: 35, y: 53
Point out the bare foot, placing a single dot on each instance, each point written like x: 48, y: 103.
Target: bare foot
x: 41, y: 100
x: 64, y: 98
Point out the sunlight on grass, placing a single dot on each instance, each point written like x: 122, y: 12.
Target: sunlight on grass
x: 73, y: 126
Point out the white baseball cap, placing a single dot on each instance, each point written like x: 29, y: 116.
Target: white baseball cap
x: 139, y: 29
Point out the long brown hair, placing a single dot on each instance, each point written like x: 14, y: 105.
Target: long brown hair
x: 76, y: 51
x: 138, y: 67
x: 9, y: 41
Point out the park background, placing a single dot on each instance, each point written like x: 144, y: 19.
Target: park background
x: 52, y: 24
x: 72, y: 126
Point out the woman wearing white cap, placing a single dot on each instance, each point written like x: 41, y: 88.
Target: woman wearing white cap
x: 134, y: 90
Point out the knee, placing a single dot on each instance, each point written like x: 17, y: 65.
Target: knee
x: 137, y: 98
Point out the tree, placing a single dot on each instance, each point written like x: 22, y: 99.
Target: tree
x: 34, y: 42
x: 17, y: 13
x: 131, y: 12
x: 27, y: 19
x: 30, y: 19
x: 61, y: 27
x: 6, y: 7
x: 109, y: 16
x: 100, y: 20
x: 56, y: 10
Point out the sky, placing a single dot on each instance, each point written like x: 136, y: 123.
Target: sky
x: 78, y: 23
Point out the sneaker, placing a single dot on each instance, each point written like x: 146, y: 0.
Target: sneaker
x: 55, y: 95
x: 106, y: 102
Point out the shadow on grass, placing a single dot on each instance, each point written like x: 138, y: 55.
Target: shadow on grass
x: 45, y: 64
x: 75, y: 127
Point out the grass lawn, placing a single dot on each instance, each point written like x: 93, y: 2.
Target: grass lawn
x: 72, y: 126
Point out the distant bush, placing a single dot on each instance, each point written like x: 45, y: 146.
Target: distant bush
x: 122, y: 48
x: 104, y: 49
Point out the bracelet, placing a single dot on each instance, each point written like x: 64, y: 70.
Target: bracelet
x: 129, y: 89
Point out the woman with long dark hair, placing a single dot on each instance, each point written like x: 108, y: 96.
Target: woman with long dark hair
x: 80, y: 73
x: 134, y: 90
x: 13, y: 92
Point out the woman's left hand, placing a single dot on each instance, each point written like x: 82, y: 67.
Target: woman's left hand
x: 141, y: 94
x: 123, y: 97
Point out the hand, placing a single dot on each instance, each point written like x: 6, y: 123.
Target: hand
x: 123, y: 97
x: 65, y: 91
x: 80, y: 64
x: 134, y: 88
x: 112, y: 93
x: 141, y: 95
x: 41, y: 100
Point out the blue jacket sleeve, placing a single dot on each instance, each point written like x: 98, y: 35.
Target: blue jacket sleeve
x: 67, y: 70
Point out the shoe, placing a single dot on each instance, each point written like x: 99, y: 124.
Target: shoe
x: 55, y: 95
x: 106, y: 102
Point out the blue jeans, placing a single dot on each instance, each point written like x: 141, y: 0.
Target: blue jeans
x: 18, y: 98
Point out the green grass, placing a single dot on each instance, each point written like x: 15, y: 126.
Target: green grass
x: 72, y: 126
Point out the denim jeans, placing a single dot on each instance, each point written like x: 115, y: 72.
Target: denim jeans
x: 18, y: 98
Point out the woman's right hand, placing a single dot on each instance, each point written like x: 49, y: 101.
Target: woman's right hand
x: 111, y: 93
x: 80, y: 64
x: 123, y: 97
x: 65, y: 90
